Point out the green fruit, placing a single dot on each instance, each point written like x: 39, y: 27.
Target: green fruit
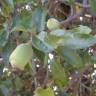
x: 53, y: 24
x: 21, y: 56
x: 44, y: 92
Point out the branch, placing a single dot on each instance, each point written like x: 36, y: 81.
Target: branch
x: 71, y: 18
x: 34, y: 72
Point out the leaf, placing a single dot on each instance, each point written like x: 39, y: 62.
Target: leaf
x: 71, y: 57
x: 78, y: 41
x: 53, y: 40
x: 39, y: 17
x: 44, y: 92
x: 81, y: 29
x: 86, y: 58
x: 41, y: 45
x: 23, y: 21
x: 29, y: 21
x: 18, y: 83
x: 8, y: 82
x: 42, y: 35
x: 73, y: 40
x: 59, y: 32
x: 7, y: 7
x: 58, y: 73
x: 55, y: 37
x: 93, y: 6
x: 6, y: 51
x: 4, y: 35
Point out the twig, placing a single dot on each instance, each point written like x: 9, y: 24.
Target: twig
x: 71, y: 18
x: 46, y: 66
x: 34, y: 72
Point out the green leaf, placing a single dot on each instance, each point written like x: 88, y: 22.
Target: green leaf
x: 6, y: 51
x: 8, y: 82
x: 71, y: 57
x: 41, y: 45
x: 59, y: 32
x: 86, y: 58
x: 5, y: 54
x: 29, y: 21
x: 53, y: 40
x: 38, y: 17
x: 4, y: 35
x: 55, y: 37
x: 18, y: 83
x: 44, y: 92
x: 7, y: 7
x: 58, y: 73
x: 73, y: 40
x: 81, y: 29
x: 78, y: 41
x: 93, y: 6
x: 23, y: 21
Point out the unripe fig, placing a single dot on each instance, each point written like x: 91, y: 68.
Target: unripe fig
x: 21, y: 56
x: 53, y: 24
x: 44, y: 92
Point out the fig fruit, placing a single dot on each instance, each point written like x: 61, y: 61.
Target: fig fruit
x: 44, y: 92
x: 21, y: 56
x: 53, y: 24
